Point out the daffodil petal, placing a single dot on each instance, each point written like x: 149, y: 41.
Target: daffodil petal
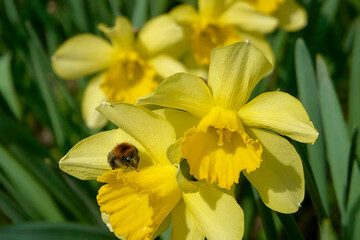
x: 82, y: 55
x: 233, y: 73
x: 211, y: 8
x: 174, y: 152
x: 162, y: 35
x: 184, y: 226
x: 148, y: 128
x: 217, y: 214
x: 138, y: 201
x: 88, y: 158
x: 182, y: 91
x: 262, y: 44
x: 280, y: 178
x: 292, y: 16
x: 121, y: 35
x: 93, y: 96
x: 184, y: 14
x: 247, y: 18
x: 281, y: 113
x: 166, y: 66
x: 180, y: 120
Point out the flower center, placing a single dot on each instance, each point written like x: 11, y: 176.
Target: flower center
x: 266, y: 6
x: 207, y: 36
x: 218, y: 149
x: 128, y: 79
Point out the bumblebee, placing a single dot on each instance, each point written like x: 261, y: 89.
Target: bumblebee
x: 124, y: 156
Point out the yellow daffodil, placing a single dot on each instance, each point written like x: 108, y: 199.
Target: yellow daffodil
x: 138, y: 204
x: 129, y: 67
x: 231, y: 135
x: 291, y: 16
x: 218, y: 23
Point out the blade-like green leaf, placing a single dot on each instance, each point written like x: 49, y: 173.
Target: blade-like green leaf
x: 338, y: 150
x: 37, y: 197
x: 336, y: 136
x: 140, y: 13
x: 310, y: 181
x: 11, y: 209
x: 352, y: 157
x: 353, y: 207
x: 326, y: 231
x: 48, y: 96
x: 266, y: 216
x: 158, y: 7
x: 306, y: 82
x: 354, y: 96
x: 290, y: 226
x: 54, y: 231
x: 7, y: 88
x: 79, y: 16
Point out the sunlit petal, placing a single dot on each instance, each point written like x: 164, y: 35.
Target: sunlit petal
x: 282, y: 113
x: 88, y: 158
x: 247, y: 18
x: 292, y: 16
x: 217, y: 214
x: 262, y: 44
x: 182, y: 91
x: 280, y: 178
x: 233, y: 73
x: 92, y: 97
x: 211, y: 8
x: 184, y: 14
x: 82, y: 55
x: 162, y: 35
x: 180, y: 120
x: 121, y: 35
x: 184, y: 226
x: 148, y: 128
x: 166, y: 66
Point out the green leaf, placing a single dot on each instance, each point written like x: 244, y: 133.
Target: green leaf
x: 266, y: 216
x: 310, y: 181
x: 326, y: 231
x: 290, y: 226
x: 335, y: 130
x: 354, y: 96
x: 28, y: 188
x: 54, y: 231
x: 79, y: 16
x: 11, y: 209
x: 7, y: 88
x: 352, y: 157
x: 140, y: 13
x: 48, y: 96
x: 306, y: 82
x: 158, y: 7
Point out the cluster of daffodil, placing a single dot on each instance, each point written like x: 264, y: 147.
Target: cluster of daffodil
x: 194, y: 135
x: 133, y: 65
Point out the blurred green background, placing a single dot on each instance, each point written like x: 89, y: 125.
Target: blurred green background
x: 40, y: 120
